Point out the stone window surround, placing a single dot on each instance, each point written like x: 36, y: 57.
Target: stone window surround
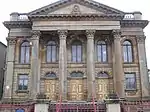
x: 22, y: 91
x: 135, y: 81
x: 131, y: 51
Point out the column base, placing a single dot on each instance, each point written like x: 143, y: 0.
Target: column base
x: 41, y: 107
x: 113, y: 108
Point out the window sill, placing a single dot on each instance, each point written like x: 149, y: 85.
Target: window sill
x: 77, y: 77
x: 49, y: 78
x: 130, y: 90
x: 22, y: 91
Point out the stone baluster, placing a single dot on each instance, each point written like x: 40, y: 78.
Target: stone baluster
x: 143, y: 66
x: 62, y: 64
x: 8, y: 84
x: 118, y: 65
x: 35, y: 70
x: 90, y: 64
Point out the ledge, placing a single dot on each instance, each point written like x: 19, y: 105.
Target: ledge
x: 17, y: 24
x: 134, y: 23
x: 22, y: 91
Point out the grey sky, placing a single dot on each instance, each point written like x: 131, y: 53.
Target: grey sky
x: 23, y: 6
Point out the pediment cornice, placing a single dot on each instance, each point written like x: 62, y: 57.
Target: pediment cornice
x: 88, y: 3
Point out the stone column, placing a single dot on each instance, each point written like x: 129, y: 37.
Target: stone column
x: 62, y: 64
x: 8, y: 84
x: 143, y: 66
x: 35, y: 70
x: 118, y: 65
x: 90, y: 64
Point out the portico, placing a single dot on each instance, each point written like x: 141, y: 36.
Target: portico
x: 63, y: 62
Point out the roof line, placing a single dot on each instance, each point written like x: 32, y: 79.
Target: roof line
x: 3, y: 44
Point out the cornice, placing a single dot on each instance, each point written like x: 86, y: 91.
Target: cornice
x: 17, y: 24
x: 134, y: 23
x: 77, y: 17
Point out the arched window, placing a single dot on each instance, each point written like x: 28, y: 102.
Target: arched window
x: 76, y: 49
x: 20, y: 110
x: 102, y: 75
x: 76, y: 74
x: 127, y: 51
x: 25, y: 52
x: 51, y: 51
x: 101, y: 51
x: 51, y: 74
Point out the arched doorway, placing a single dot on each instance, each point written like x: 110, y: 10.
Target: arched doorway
x: 76, y: 86
x: 102, y: 85
x: 51, y: 85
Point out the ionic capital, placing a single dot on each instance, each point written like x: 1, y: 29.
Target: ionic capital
x: 141, y: 38
x: 62, y: 34
x: 90, y: 34
x: 35, y: 35
x: 116, y: 34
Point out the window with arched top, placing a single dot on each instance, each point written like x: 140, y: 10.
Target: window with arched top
x: 51, y: 74
x: 101, y: 51
x: 103, y: 75
x: 76, y: 51
x: 25, y: 52
x: 51, y: 51
x: 76, y: 74
x: 127, y: 51
x: 20, y: 110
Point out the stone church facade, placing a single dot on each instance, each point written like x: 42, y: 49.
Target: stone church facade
x: 76, y: 50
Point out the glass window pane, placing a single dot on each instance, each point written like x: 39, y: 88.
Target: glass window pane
x: 53, y: 53
x: 104, y: 53
x: 74, y: 53
x: 27, y: 54
x: 130, y: 53
x: 22, y: 58
x: 130, y: 81
x: 125, y: 53
x: 23, y: 82
x: 48, y: 53
x: 99, y: 53
x: 79, y: 53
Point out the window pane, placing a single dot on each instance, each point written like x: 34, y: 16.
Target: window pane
x: 23, y: 82
x: 48, y: 53
x: 130, y: 53
x: 27, y: 54
x: 99, y: 53
x: 76, y: 74
x: 130, y: 81
x: 74, y: 53
x: 125, y: 53
x: 79, y: 53
x: 53, y: 53
x: 104, y: 53
x: 22, y: 58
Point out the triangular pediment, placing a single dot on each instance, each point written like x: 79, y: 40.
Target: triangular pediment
x: 75, y: 7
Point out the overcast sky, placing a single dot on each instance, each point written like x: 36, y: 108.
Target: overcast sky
x: 24, y: 6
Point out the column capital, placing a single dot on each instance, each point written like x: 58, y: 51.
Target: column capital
x: 35, y: 34
x: 116, y: 33
x: 62, y: 34
x: 11, y: 41
x: 90, y: 34
x: 141, y: 38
